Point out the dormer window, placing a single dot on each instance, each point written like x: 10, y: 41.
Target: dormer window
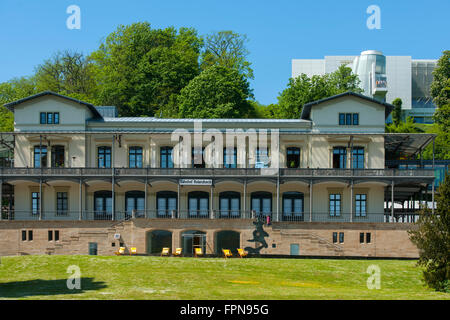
x: 348, y: 119
x: 49, y: 118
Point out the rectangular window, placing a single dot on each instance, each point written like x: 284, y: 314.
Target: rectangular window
x: 342, y: 119
x: 293, y: 157
x: 40, y: 156
x: 50, y: 235
x: 42, y: 118
x: 334, y: 237
x: 56, y: 118
x: 135, y: 157
x: 368, y: 237
x: 61, y: 203
x: 49, y: 117
x: 35, y: 203
x: 360, y: 205
x: 56, y: 235
x: 166, y: 157
x: 361, y: 237
x: 335, y: 204
x: 262, y: 158
x: 230, y: 157
x: 30, y: 235
x: 24, y: 235
x: 358, y: 158
x: 104, y: 157
x: 339, y: 157
x: 348, y: 119
x: 198, y: 157
x: 341, y: 237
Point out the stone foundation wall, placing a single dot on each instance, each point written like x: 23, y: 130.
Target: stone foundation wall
x: 313, y: 239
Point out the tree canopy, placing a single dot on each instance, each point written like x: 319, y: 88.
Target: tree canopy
x: 218, y: 92
x: 303, y: 89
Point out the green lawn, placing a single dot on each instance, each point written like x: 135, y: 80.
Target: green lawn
x: 125, y: 277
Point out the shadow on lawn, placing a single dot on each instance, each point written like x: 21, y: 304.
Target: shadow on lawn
x: 39, y: 287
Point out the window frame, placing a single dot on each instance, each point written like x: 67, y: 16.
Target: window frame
x: 337, y: 198
x: 361, y: 200
x: 166, y: 154
x: 132, y: 152
x: 101, y: 150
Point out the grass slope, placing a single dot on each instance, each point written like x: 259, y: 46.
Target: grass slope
x: 44, y: 277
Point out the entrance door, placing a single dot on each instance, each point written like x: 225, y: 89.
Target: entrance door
x: 295, y: 249
x: 192, y: 240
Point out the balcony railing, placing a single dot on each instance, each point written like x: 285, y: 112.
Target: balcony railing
x: 211, y: 172
x: 383, y: 217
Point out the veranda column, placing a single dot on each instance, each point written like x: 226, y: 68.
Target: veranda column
x: 351, y: 202
x: 145, y: 195
x: 178, y: 200
x: 80, y: 200
x: 211, y: 211
x: 392, y: 201
x: 432, y: 186
x: 278, y: 196
x: 245, y: 197
x: 1, y: 198
x: 310, y: 200
x: 40, y: 198
x: 113, y: 182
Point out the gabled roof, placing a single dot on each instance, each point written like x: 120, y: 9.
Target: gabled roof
x: 306, y: 111
x: 91, y: 107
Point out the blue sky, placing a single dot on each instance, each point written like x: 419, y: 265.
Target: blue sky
x: 31, y: 31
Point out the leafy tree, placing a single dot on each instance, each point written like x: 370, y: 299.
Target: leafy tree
x: 397, y: 112
x: 218, y: 92
x: 303, y: 89
x: 68, y: 73
x: 404, y: 127
x: 343, y: 79
x: 227, y: 49
x: 440, y: 87
x: 142, y: 70
x: 12, y: 90
x: 432, y: 237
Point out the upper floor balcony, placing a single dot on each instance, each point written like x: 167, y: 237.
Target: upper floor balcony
x: 211, y: 173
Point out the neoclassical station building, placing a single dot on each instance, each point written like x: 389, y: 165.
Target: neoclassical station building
x: 78, y: 179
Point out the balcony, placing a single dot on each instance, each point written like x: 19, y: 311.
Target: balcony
x: 174, y: 215
x: 92, y: 173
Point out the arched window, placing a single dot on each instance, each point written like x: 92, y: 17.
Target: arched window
x: 198, y: 204
x: 166, y: 204
x: 293, y: 206
x: 103, y: 205
x: 229, y: 204
x: 261, y: 203
x: 134, y: 200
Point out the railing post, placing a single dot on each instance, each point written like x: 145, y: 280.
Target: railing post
x: 80, y: 200
x: 351, y: 201
x: 310, y: 199
x: 392, y: 201
x: 1, y: 199
x: 145, y: 194
x: 278, y: 196
x: 40, y: 198
x: 211, y: 213
x: 432, y: 186
x: 245, y: 195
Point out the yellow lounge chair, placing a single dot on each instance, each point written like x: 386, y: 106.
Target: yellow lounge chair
x: 198, y: 252
x: 165, y: 252
x: 226, y: 253
x: 133, y: 250
x: 121, y: 251
x: 178, y: 252
x: 242, y: 252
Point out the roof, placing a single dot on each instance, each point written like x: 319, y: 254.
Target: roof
x: 107, y: 111
x: 186, y: 120
x: 306, y: 111
x: 91, y: 107
x: 407, y: 143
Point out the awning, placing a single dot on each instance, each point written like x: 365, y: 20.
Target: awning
x: 408, y: 144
